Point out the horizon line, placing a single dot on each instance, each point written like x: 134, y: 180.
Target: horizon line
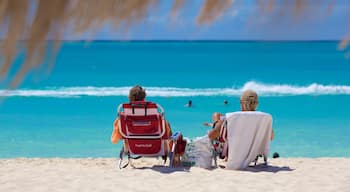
x: 186, y: 40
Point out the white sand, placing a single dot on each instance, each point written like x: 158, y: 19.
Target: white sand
x: 295, y: 174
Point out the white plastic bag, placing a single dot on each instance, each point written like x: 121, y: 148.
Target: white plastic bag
x: 199, y: 152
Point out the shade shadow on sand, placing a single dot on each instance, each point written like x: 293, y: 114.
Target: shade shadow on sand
x: 166, y: 169
x: 256, y: 169
x: 267, y: 168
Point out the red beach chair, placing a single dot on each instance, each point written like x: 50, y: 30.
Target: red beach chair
x: 143, y: 128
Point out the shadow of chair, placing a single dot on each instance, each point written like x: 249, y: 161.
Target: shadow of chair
x: 267, y: 168
x: 166, y: 169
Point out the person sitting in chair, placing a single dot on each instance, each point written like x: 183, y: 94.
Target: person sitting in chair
x: 200, y: 154
x: 249, y: 102
x: 137, y: 93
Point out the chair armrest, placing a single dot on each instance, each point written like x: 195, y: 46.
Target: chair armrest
x: 175, y: 136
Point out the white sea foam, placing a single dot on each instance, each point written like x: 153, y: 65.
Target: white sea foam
x: 261, y: 88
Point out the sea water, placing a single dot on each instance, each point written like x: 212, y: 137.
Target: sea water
x: 69, y: 112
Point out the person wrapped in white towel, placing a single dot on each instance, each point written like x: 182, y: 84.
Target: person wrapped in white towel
x: 246, y: 134
x: 200, y: 151
x: 249, y: 102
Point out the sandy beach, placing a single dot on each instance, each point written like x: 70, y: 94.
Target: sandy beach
x: 102, y: 174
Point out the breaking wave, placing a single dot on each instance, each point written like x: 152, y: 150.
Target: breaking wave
x: 261, y: 88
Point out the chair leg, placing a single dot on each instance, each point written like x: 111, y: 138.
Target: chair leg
x: 121, y: 155
x: 215, y: 161
x: 130, y: 162
x: 172, y: 155
x: 256, y: 160
x: 120, y: 164
x: 164, y: 157
x: 215, y: 157
x: 265, y: 160
x: 171, y: 159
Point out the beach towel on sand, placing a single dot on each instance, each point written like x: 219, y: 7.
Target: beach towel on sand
x: 248, y: 135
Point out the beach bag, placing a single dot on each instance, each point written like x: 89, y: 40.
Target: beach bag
x: 199, y: 153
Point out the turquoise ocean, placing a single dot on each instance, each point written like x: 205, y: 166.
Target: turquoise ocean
x: 69, y: 112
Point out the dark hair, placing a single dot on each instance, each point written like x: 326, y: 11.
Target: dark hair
x: 137, y: 93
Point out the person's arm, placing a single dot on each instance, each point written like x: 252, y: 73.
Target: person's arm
x: 116, y: 136
x: 208, y: 124
x: 215, y: 132
x: 272, y: 135
x: 168, y: 130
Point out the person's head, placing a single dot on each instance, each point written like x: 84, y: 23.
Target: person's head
x: 137, y: 93
x: 225, y: 102
x: 216, y: 116
x: 249, y: 100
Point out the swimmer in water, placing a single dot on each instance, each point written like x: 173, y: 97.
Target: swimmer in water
x: 225, y: 102
x: 189, y: 104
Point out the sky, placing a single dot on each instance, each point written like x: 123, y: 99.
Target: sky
x: 243, y: 20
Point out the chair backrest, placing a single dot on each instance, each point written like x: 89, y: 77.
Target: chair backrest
x: 142, y: 126
x: 248, y: 135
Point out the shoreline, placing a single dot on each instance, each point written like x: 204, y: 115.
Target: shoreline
x: 103, y: 174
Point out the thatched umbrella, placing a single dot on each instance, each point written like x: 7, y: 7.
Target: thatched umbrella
x: 30, y: 23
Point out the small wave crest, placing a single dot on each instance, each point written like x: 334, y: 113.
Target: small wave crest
x: 261, y: 88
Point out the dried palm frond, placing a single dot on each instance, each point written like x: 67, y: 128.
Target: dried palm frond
x: 33, y: 22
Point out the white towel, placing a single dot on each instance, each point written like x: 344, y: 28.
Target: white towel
x: 248, y: 135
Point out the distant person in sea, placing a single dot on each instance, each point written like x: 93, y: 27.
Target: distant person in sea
x: 225, y: 102
x: 189, y: 104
